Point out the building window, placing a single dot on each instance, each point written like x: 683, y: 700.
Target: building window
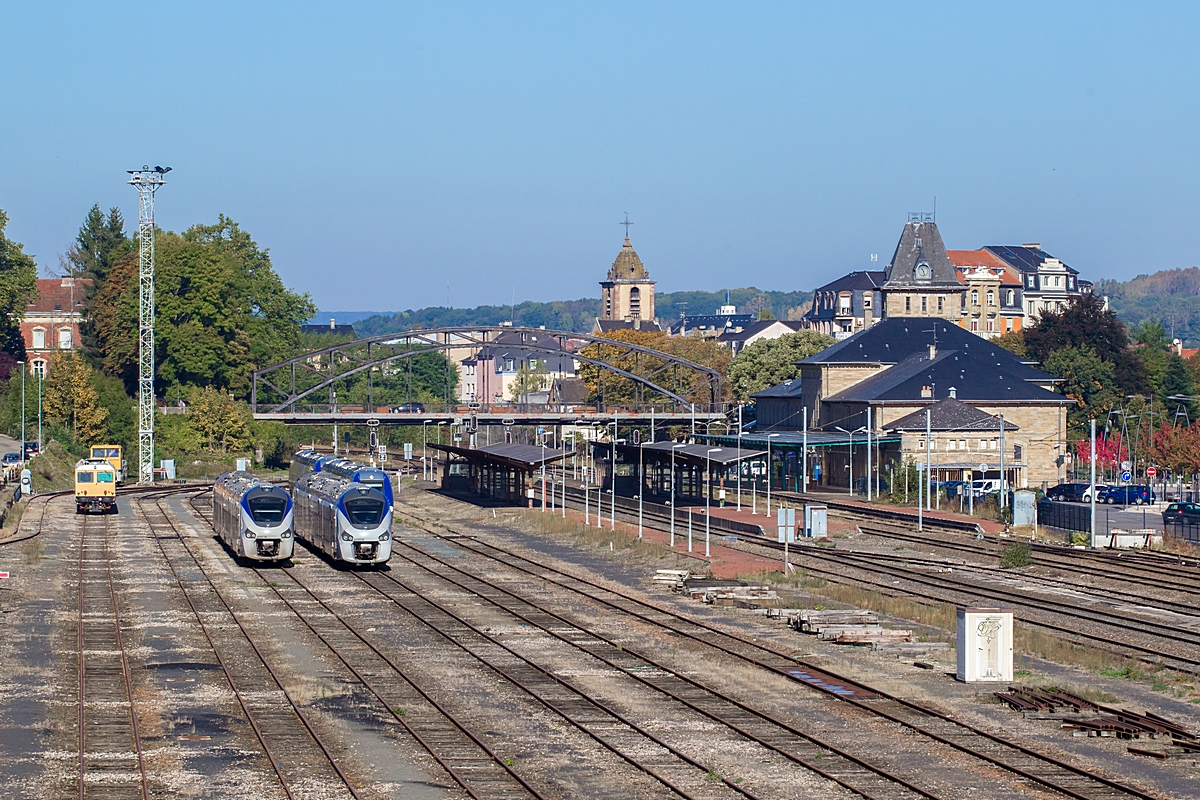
x: 635, y: 302
x: 64, y: 338
x: 608, y: 304
x: 924, y: 304
x: 509, y: 365
x: 533, y: 363
x: 866, y: 301
x: 844, y: 302
x: 983, y: 444
x: 962, y: 444
x: 991, y: 297
x: 920, y: 444
x: 975, y: 325
x: 950, y: 445
x: 992, y: 444
x: 1057, y: 281
x: 1031, y: 279
x: 974, y: 297
x: 1070, y: 283
x: 991, y: 325
x: 941, y: 301
x: 1016, y: 452
x: 1008, y: 325
x: 907, y: 303
x: 39, y: 367
x: 39, y: 338
x: 1010, y: 297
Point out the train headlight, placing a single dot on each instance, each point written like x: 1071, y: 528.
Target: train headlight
x: 285, y: 535
x: 249, y: 534
x: 383, y: 537
x: 347, y: 537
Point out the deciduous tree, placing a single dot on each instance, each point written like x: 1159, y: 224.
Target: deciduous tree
x: 18, y: 285
x: 69, y: 399
x: 1086, y: 379
x: 1087, y: 323
x: 769, y: 362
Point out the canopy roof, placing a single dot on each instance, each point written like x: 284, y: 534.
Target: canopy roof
x: 521, y: 456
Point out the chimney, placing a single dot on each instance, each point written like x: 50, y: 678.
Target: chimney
x: 954, y: 392
x: 332, y: 324
x: 927, y: 392
x: 1032, y: 245
x: 932, y: 352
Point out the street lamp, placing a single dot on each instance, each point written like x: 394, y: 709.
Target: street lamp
x: 850, y: 460
x: 674, y: 447
x: 708, y: 493
x: 21, y: 366
x: 770, y: 436
x: 424, y: 461
x: 739, y: 460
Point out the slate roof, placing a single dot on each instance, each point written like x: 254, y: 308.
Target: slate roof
x: 863, y: 279
x: 59, y: 296
x: 1023, y: 257
x: 609, y: 325
x: 894, y: 339
x: 920, y: 243
x: 951, y: 415
x: 715, y: 322
x: 977, y: 376
x: 786, y: 389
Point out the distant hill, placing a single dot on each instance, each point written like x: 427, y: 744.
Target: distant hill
x: 579, y: 316
x: 1171, y: 296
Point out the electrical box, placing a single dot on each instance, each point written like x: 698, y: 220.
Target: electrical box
x: 243, y: 465
x: 816, y: 521
x: 985, y: 644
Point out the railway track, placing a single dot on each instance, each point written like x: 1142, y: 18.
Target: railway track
x: 301, y: 760
x: 758, y: 726
x: 1044, y: 770
x: 112, y: 763
x: 471, y: 762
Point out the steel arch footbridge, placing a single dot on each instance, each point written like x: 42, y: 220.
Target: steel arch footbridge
x: 643, y: 385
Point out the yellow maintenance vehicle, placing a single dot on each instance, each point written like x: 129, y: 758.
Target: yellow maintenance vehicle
x: 112, y: 454
x: 95, y: 486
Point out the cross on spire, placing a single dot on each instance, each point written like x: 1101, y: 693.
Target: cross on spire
x: 626, y: 223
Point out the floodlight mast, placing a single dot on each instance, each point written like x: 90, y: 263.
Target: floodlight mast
x: 146, y: 181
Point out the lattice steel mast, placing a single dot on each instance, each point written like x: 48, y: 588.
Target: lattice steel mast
x: 146, y: 181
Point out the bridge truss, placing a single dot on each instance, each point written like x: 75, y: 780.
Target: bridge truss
x: 645, y: 383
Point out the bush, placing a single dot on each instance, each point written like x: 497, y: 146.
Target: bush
x: 1016, y: 555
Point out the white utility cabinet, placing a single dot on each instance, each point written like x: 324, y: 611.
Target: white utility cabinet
x: 985, y: 644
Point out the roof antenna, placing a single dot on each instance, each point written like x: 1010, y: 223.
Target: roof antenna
x: 935, y: 209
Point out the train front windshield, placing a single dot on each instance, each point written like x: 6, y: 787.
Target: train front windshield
x: 267, y: 510
x: 364, y: 512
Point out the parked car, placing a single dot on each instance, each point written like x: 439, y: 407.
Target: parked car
x: 407, y: 408
x: 981, y: 488
x: 32, y: 449
x: 1182, y: 512
x: 1134, y: 495
x: 11, y: 459
x: 952, y: 488
x: 1065, y: 492
x: 1101, y: 488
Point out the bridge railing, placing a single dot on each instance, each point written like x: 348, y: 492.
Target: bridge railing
x: 402, y: 410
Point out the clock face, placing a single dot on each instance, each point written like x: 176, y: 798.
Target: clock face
x: 922, y: 271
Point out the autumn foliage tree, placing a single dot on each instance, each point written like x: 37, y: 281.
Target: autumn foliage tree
x: 615, y: 389
x: 69, y: 399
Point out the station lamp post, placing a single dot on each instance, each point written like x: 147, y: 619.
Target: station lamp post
x: 708, y: 494
x: 674, y: 447
x: 770, y: 436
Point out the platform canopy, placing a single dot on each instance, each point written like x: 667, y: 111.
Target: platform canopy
x: 520, y: 456
x: 797, y: 438
x: 693, y: 454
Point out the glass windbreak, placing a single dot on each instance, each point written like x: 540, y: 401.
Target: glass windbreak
x: 83, y: 477
x: 104, y: 477
x: 364, y: 512
x: 267, y: 510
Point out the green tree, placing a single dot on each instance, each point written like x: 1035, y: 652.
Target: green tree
x: 1086, y: 323
x: 18, y: 286
x: 222, y: 311
x: 1013, y: 342
x: 769, y: 362
x: 529, y: 380
x: 1177, y: 381
x: 1087, y: 379
x: 222, y: 423
x: 101, y: 241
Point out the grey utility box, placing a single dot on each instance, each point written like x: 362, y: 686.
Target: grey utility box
x: 1024, y: 509
x: 985, y: 644
x: 816, y: 521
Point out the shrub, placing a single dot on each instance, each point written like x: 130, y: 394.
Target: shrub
x: 1016, y: 555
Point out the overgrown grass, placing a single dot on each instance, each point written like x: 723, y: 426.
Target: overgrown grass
x: 589, y: 536
x: 54, y: 469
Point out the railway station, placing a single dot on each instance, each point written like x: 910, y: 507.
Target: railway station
x: 503, y: 473
x: 651, y: 466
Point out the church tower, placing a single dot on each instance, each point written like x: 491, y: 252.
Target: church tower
x: 628, y: 294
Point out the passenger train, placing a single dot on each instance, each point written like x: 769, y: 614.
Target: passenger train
x: 367, y: 476
x: 304, y: 462
x: 253, y: 517
x: 347, y: 521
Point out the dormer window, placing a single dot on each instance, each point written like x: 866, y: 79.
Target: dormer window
x: 1031, y: 280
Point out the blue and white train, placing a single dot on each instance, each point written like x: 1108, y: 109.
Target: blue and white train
x: 347, y: 521
x: 304, y: 462
x: 367, y: 476
x: 253, y: 516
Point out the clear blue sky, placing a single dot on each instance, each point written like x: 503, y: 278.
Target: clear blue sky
x: 381, y: 150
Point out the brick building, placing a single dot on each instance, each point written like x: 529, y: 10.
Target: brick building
x: 52, y: 321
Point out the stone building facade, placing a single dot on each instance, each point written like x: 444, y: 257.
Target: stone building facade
x: 628, y: 294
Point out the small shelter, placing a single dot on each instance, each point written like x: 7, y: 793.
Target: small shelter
x: 501, y: 472
x: 651, y: 464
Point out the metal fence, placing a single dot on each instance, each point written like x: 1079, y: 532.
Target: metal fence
x: 1067, y: 516
x: 1188, y: 531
